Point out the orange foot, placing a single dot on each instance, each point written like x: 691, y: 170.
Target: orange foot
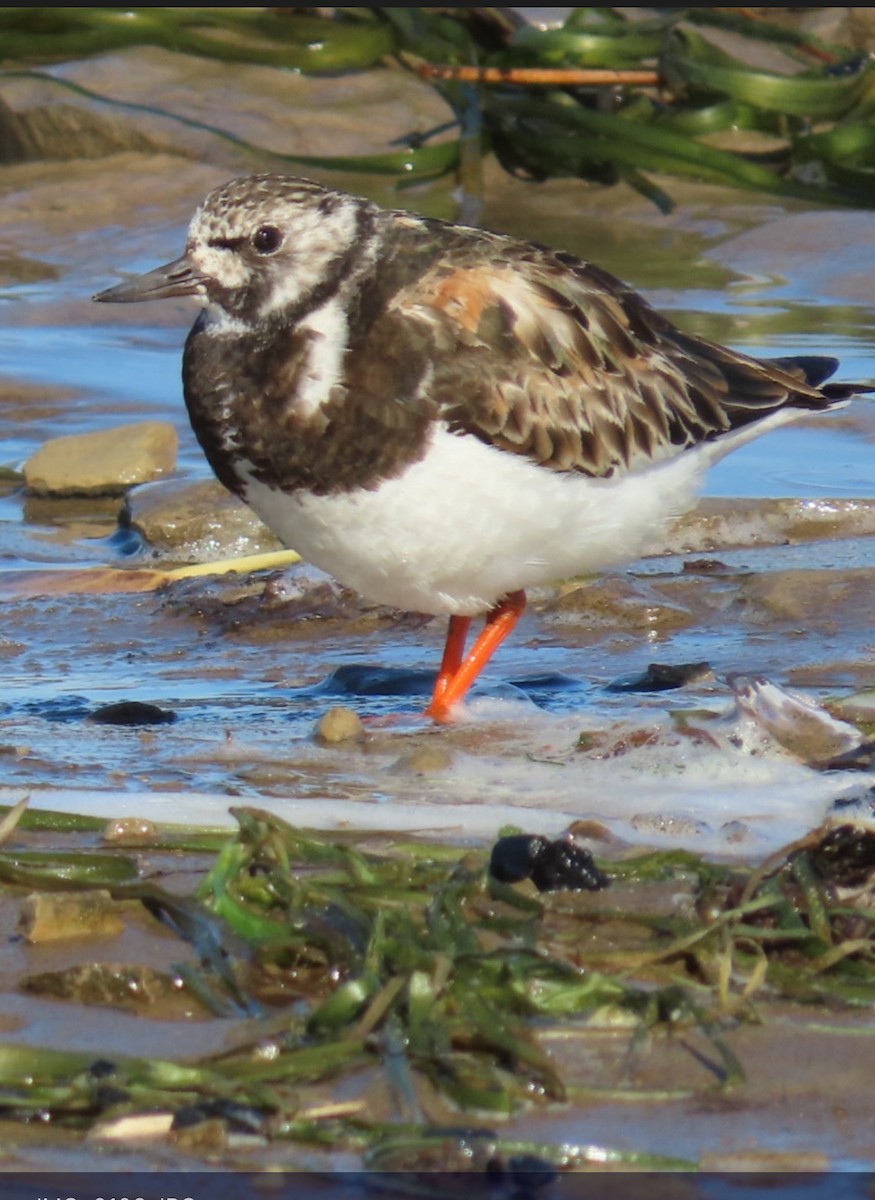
x: 458, y: 673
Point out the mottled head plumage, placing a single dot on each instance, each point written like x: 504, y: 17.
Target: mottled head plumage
x: 272, y: 246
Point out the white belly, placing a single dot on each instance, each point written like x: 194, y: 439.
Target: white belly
x: 470, y: 523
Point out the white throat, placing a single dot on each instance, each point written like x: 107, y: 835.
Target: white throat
x: 329, y: 331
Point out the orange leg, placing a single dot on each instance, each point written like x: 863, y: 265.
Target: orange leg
x: 454, y: 652
x: 457, y: 674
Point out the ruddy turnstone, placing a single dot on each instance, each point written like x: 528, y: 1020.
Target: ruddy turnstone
x: 441, y: 417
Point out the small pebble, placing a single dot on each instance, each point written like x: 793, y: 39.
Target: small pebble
x: 593, y: 831
x: 129, y: 831
x: 339, y: 725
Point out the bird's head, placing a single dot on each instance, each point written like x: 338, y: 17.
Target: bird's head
x: 260, y: 247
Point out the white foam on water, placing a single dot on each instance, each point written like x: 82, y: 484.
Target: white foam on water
x: 723, y: 789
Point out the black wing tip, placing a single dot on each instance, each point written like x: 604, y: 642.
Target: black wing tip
x: 812, y: 369
x: 815, y: 369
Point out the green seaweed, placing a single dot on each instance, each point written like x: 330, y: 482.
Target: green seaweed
x: 349, y: 958
x: 261, y: 35
x: 818, y: 111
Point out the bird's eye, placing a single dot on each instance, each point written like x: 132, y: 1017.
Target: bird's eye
x: 267, y: 239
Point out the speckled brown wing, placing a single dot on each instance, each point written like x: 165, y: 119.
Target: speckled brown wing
x: 545, y: 356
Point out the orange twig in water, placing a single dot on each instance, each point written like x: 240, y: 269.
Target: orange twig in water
x: 542, y: 76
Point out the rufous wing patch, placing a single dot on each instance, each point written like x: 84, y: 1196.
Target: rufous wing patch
x: 562, y: 363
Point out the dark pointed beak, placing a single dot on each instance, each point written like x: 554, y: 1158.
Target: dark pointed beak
x: 178, y: 278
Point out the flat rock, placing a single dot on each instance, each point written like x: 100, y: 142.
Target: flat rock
x: 198, y: 521
x: 108, y: 461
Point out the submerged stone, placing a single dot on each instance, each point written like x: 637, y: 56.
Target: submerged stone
x: 132, y: 712
x: 109, y: 984
x: 663, y: 677
x: 425, y: 760
x: 197, y: 521
x: 620, y: 602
